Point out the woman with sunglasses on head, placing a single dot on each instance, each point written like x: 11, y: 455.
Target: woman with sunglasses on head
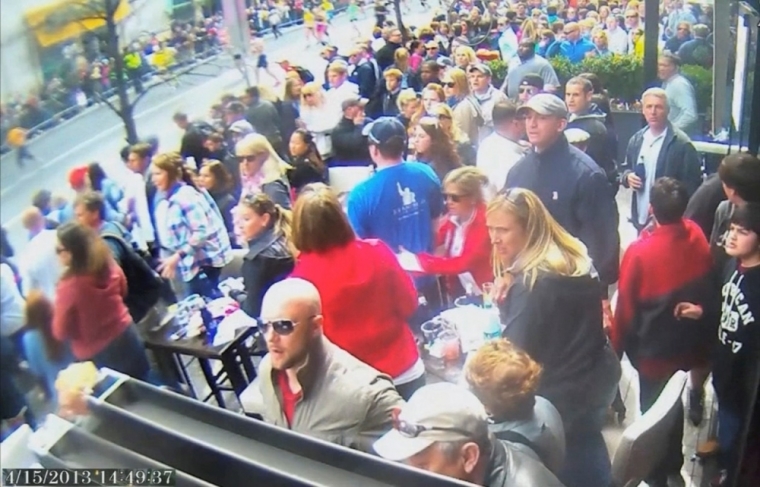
x: 462, y: 243
x: 548, y: 295
x: 367, y: 299
x: 265, y: 229
x: 89, y: 312
x: 464, y: 147
x: 432, y: 146
x: 194, y: 242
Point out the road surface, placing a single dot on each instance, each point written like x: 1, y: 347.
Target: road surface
x: 98, y: 134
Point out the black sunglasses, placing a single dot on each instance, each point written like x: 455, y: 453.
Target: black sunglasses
x: 250, y: 158
x: 456, y: 198
x: 281, y: 327
x: 449, y: 84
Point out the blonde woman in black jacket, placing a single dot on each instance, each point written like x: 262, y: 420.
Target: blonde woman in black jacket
x: 551, y: 310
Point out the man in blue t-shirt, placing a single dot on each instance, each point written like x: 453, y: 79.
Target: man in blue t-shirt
x: 401, y: 202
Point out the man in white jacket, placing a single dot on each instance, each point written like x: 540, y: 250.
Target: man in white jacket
x: 501, y: 150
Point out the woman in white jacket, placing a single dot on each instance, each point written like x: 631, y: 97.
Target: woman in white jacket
x: 319, y: 117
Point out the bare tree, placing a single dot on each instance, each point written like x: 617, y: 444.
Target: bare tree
x: 400, y: 21
x: 106, y: 11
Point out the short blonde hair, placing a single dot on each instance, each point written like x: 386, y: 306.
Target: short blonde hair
x: 338, y: 67
x: 404, y: 97
x: 469, y: 180
x: 393, y: 73
x: 504, y: 378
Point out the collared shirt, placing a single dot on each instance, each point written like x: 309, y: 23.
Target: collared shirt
x: 648, y: 155
x: 618, y: 41
x: 496, y: 156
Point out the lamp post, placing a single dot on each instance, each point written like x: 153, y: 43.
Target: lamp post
x: 651, y: 41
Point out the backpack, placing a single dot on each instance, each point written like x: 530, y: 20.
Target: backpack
x: 144, y: 285
x: 303, y: 73
x: 203, y: 128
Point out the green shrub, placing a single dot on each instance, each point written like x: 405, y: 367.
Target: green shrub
x: 701, y: 79
x: 498, y: 71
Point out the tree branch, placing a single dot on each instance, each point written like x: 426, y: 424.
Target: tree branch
x: 109, y: 104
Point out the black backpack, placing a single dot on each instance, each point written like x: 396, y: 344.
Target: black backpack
x: 303, y: 73
x: 144, y: 285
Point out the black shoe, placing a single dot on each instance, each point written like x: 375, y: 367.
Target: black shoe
x: 696, y: 406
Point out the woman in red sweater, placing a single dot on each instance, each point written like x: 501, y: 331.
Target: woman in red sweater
x: 463, y: 245
x: 366, y: 297
x: 90, y: 313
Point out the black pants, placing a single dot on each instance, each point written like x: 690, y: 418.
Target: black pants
x: 406, y: 390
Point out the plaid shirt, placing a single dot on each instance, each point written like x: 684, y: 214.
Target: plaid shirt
x: 195, y: 230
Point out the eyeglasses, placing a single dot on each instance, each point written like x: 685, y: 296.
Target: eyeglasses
x: 409, y: 429
x: 455, y: 198
x: 449, y: 84
x: 431, y: 48
x: 281, y: 327
x: 631, y: 16
x: 248, y: 158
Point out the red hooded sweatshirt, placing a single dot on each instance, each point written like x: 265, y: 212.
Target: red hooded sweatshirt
x: 366, y: 301
x: 90, y: 313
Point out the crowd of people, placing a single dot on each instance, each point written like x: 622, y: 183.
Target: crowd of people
x: 513, y: 185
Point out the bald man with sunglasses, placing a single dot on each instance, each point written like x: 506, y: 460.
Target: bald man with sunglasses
x: 308, y: 384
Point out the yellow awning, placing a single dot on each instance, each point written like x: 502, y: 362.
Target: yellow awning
x: 62, y: 20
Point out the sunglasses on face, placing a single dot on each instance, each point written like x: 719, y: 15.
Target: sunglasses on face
x: 251, y: 158
x: 525, y: 89
x: 281, y: 327
x: 449, y: 84
x: 409, y: 429
x: 432, y: 48
x: 454, y: 198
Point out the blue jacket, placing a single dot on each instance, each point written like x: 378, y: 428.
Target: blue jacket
x: 576, y: 192
x: 575, y: 51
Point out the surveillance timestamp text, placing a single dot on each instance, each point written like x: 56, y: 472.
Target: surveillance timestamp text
x: 81, y: 477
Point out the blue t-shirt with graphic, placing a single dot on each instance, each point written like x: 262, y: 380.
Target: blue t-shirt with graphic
x: 397, y: 205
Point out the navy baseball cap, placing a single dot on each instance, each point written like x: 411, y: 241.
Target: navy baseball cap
x: 382, y: 130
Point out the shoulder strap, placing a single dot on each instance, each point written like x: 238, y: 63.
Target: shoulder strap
x: 515, y: 437
x: 478, y: 110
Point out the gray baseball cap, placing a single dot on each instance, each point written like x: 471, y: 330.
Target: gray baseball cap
x: 545, y: 104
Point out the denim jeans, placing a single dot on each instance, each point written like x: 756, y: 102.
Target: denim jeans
x: 729, y: 429
x: 125, y: 354
x: 587, y: 462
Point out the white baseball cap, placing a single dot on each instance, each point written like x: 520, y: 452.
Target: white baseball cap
x: 436, y: 412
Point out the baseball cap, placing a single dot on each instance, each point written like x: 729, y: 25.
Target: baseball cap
x: 545, y: 104
x: 533, y: 80
x: 353, y: 101
x: 384, y: 129
x: 445, y: 62
x: 241, y: 127
x: 77, y: 177
x: 431, y: 44
x: 480, y: 67
x: 436, y: 412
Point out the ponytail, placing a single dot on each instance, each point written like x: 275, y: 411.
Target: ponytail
x: 283, y: 223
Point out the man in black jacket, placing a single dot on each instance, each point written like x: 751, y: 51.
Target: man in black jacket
x: 367, y: 76
x: 192, y: 145
x: 393, y: 79
x: 586, y: 116
x: 658, y: 150
x: 350, y: 147
x: 570, y: 184
x: 264, y: 117
x: 385, y: 56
